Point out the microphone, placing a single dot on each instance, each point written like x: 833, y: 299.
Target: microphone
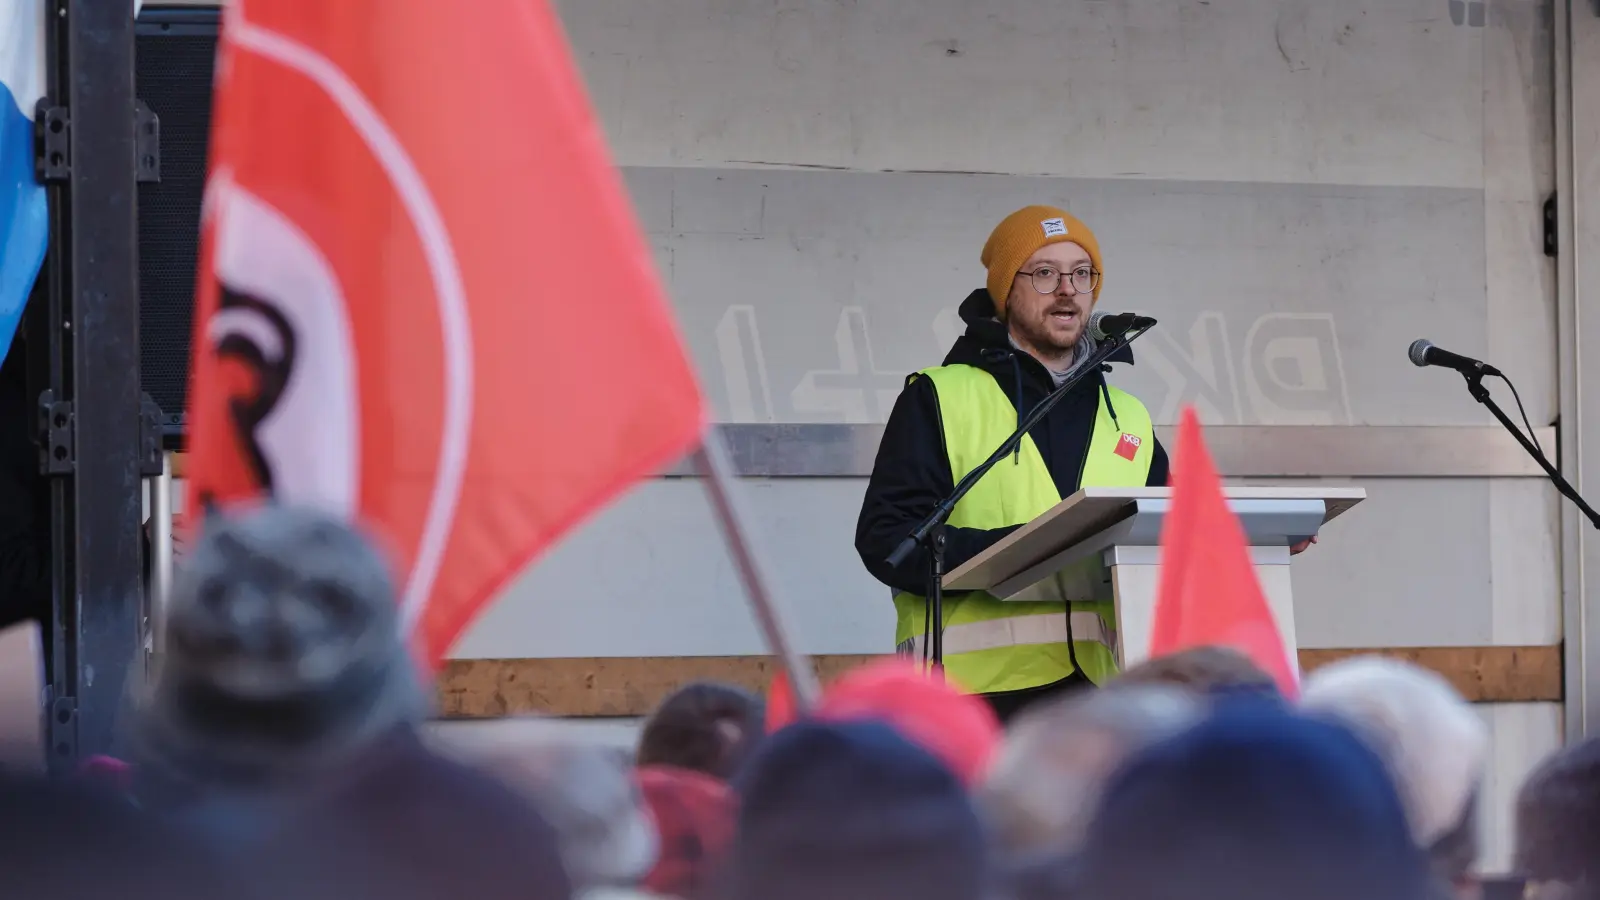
x: 1104, y: 325
x: 1424, y: 353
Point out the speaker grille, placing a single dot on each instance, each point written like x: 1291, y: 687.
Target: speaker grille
x: 173, y: 71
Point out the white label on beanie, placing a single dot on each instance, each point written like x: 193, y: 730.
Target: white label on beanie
x: 1054, y: 227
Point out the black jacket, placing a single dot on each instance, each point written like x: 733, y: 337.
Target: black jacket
x: 912, y: 472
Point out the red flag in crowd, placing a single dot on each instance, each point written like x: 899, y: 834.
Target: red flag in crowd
x: 424, y: 301
x: 1209, y: 594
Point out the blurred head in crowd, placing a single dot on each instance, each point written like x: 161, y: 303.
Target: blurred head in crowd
x: 705, y: 727
x: 694, y: 816
x: 1254, y: 802
x: 958, y: 728
x: 587, y: 794
x: 1558, y: 825
x: 1046, y: 783
x: 852, y: 811
x: 1435, y: 746
x: 1215, y: 671
x: 283, y: 649
x: 1044, y: 277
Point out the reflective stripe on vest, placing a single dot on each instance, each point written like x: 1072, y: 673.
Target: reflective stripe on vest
x: 976, y: 415
x: 1019, y: 631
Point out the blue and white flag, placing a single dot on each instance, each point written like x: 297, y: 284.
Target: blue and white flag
x: 24, y: 215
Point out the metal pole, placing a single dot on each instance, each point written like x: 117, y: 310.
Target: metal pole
x: 936, y: 543
x: 161, y: 553
x: 712, y: 462
x: 92, y: 415
x: 1574, y: 146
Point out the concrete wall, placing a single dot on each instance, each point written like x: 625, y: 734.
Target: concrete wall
x: 1268, y: 178
x: 1292, y: 186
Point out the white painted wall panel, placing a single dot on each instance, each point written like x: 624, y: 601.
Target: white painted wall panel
x: 650, y: 577
x: 1524, y: 570
x: 1401, y: 569
x: 1390, y: 573
x: 1356, y: 92
x: 1280, y: 304
x: 1294, y: 215
x: 1397, y: 571
x: 1521, y: 735
x: 1518, y: 176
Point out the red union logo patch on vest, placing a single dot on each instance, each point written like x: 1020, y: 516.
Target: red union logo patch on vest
x: 1128, y: 446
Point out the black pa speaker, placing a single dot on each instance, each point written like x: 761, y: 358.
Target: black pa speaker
x: 175, y: 50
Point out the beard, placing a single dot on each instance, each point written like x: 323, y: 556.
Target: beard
x: 1036, y: 333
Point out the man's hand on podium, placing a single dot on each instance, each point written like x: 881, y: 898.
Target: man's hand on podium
x: 1301, y: 547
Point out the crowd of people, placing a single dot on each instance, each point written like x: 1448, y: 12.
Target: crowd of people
x: 280, y: 751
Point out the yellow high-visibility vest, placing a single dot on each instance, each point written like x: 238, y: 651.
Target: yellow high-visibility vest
x: 991, y: 645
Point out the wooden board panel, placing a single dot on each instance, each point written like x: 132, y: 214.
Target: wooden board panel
x: 600, y: 686
x: 1481, y: 674
x: 632, y: 686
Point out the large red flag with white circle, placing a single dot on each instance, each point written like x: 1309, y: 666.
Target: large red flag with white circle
x: 423, y: 299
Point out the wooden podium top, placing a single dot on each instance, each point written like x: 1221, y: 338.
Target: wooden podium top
x: 1093, y: 510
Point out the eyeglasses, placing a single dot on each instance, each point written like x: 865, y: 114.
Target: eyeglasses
x: 1047, y: 278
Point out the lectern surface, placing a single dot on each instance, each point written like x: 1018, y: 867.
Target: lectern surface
x: 1091, y: 511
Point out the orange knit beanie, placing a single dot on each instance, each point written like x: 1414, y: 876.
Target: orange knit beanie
x: 1020, y: 235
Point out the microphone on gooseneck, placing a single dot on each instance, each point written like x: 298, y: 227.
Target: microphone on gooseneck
x: 1104, y: 325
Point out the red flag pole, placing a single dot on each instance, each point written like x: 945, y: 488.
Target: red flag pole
x: 712, y: 461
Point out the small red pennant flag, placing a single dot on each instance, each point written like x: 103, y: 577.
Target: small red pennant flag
x: 1209, y: 594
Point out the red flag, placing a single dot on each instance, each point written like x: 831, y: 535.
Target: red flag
x: 423, y: 300
x: 1209, y: 594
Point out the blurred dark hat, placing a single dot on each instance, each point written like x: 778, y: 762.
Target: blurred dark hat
x: 1255, y: 802
x: 1558, y: 819
x: 853, y: 810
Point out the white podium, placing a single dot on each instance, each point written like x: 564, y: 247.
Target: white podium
x: 1105, y: 544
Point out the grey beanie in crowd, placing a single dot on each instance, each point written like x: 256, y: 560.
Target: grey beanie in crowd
x: 1433, y: 742
x: 283, y: 648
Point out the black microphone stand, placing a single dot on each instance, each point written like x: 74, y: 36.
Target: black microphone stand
x: 1481, y: 394
x: 931, y: 533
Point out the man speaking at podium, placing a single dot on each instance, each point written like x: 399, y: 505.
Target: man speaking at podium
x: 1027, y: 332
